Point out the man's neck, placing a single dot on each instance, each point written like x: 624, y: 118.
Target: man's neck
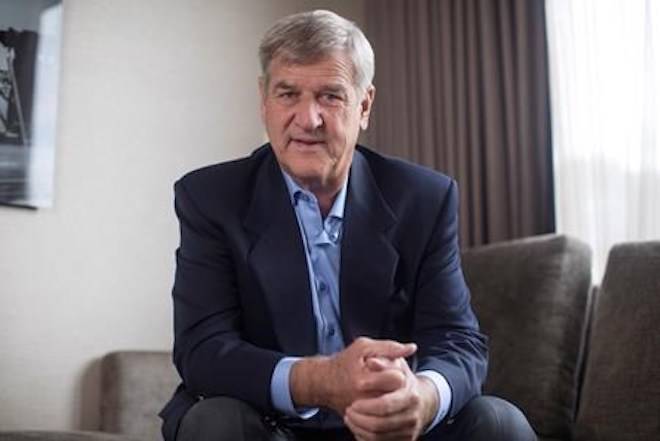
x: 326, y: 193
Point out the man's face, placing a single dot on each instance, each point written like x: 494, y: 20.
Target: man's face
x: 313, y: 115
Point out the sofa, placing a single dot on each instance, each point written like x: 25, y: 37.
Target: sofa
x: 583, y: 363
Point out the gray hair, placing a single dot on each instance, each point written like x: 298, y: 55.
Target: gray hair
x: 307, y: 37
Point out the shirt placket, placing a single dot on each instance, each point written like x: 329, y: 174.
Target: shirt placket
x: 317, y: 239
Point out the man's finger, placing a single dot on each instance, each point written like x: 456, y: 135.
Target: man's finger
x: 389, y: 427
x: 378, y: 364
x: 386, y: 348
x: 383, y: 381
x: 381, y: 363
x: 363, y: 435
x: 385, y: 405
x: 359, y: 433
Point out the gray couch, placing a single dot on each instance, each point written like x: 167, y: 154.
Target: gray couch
x: 584, y: 364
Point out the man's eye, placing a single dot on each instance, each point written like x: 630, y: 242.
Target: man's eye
x: 331, y: 97
x: 286, y: 95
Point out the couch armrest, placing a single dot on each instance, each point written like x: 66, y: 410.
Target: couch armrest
x: 44, y: 435
x: 621, y: 390
x: 531, y: 297
x: 135, y: 387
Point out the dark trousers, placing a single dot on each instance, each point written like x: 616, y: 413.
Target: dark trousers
x: 225, y: 419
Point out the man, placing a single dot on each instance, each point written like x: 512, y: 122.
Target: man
x: 318, y: 292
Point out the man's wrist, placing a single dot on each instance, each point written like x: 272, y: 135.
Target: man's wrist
x: 306, y: 389
x: 444, y: 394
x: 430, y: 400
x: 280, y: 391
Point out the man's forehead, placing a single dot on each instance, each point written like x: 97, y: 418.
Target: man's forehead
x: 334, y: 71
x: 284, y: 83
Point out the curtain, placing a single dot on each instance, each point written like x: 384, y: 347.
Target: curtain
x: 605, y: 85
x: 462, y: 87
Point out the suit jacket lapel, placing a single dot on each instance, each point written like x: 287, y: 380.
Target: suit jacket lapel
x: 277, y: 257
x: 368, y: 259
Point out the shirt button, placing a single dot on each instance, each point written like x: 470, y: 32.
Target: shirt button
x: 331, y: 331
x: 322, y: 286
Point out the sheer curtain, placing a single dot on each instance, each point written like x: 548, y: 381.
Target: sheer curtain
x: 604, y: 58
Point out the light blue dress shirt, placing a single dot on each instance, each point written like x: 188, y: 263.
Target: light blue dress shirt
x: 322, y: 242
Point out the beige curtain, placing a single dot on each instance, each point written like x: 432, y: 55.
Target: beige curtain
x: 462, y: 87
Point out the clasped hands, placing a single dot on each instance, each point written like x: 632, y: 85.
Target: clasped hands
x: 371, y: 385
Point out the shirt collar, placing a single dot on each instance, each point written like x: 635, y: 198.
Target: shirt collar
x: 295, y: 190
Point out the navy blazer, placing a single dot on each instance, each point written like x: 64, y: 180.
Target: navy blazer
x: 241, y: 294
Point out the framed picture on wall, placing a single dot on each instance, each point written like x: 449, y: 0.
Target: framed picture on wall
x: 30, y: 36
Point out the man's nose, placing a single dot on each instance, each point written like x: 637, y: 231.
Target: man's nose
x: 308, y: 115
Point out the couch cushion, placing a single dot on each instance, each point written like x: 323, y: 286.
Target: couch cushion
x: 531, y: 297
x: 136, y: 385
x: 44, y: 435
x: 621, y: 393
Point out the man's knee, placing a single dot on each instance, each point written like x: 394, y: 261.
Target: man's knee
x: 496, y: 419
x: 487, y: 418
x: 221, y: 419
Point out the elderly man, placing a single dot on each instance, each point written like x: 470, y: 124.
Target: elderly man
x: 318, y: 291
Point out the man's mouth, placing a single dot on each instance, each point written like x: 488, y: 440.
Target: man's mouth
x: 309, y: 142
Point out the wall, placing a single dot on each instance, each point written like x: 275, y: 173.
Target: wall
x: 149, y: 90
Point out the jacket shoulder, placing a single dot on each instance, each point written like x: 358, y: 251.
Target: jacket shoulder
x: 217, y: 176
x: 398, y: 177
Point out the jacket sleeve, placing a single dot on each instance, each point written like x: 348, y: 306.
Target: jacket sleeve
x: 209, y: 353
x: 445, y: 327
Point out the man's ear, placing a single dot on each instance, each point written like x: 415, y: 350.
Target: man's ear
x: 262, y: 94
x: 365, y: 106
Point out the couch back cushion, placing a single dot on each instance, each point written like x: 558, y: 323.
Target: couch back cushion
x: 135, y: 387
x: 621, y: 393
x: 531, y: 297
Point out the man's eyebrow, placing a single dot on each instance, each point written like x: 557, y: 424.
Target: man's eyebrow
x: 335, y: 88
x: 282, y: 84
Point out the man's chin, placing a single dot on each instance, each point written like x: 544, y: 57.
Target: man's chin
x: 307, y: 147
x: 307, y: 178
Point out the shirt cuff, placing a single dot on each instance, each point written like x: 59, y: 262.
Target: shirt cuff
x: 280, y: 392
x: 444, y: 395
